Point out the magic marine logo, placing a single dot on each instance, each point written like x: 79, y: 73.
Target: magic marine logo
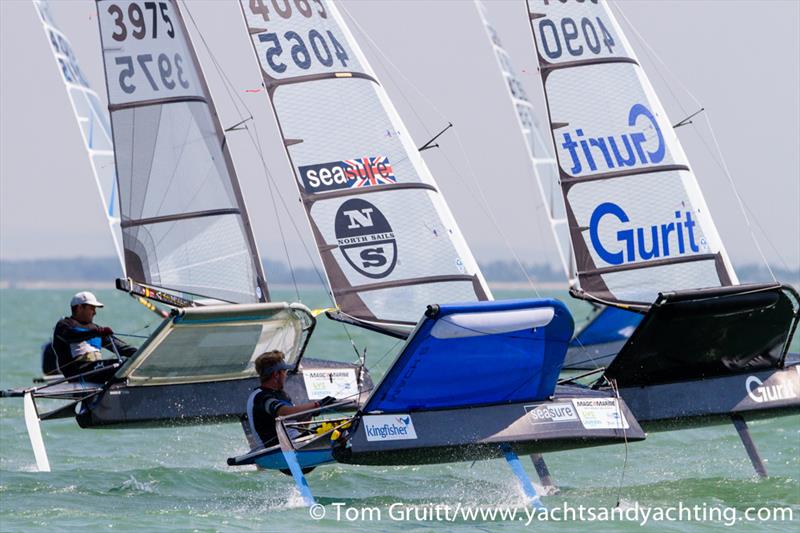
x: 365, y: 238
x: 347, y: 174
x: 389, y: 427
x: 631, y: 149
x: 634, y: 243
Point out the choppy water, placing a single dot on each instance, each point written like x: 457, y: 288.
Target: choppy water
x: 176, y: 479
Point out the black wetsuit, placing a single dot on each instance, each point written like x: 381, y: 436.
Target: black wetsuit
x: 262, y: 410
x: 70, y: 335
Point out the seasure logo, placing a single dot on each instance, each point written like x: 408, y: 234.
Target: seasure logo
x: 616, y: 151
x: 347, y: 174
x: 761, y: 393
x: 389, y: 427
x: 557, y: 412
x: 634, y: 243
x: 365, y: 238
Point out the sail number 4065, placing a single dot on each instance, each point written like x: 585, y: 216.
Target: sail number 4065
x: 299, y: 51
x: 284, y: 8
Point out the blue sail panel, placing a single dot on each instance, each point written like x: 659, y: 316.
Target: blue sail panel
x: 477, y: 354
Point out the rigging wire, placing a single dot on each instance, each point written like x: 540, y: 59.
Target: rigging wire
x: 621, y: 419
x: 718, y: 158
x: 472, y: 183
x: 256, y: 142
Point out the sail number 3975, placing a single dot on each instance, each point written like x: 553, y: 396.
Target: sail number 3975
x: 138, y: 22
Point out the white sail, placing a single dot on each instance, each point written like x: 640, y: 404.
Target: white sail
x: 543, y: 162
x: 184, y: 222
x: 92, y: 119
x: 388, y: 242
x: 638, y: 222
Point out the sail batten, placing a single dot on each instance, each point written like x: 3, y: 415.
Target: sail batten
x: 388, y: 242
x: 183, y: 218
x: 638, y: 222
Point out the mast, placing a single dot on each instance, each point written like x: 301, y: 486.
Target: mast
x: 92, y: 120
x: 638, y: 222
x: 184, y: 222
x: 543, y: 162
x: 388, y: 242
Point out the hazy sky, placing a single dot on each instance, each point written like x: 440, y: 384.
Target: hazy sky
x: 740, y: 60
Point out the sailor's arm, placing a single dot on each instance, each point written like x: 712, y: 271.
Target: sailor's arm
x: 285, y: 410
x: 71, y: 334
x: 124, y: 349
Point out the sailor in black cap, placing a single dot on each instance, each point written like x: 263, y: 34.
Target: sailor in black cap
x: 270, y: 401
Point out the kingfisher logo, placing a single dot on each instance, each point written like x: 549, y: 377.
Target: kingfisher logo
x: 557, y: 412
x: 389, y: 427
x: 676, y: 237
x: 761, y: 393
x: 365, y: 238
x: 631, y: 149
x: 347, y: 174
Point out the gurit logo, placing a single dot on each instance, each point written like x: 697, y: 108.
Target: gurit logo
x: 365, y: 238
x: 760, y: 393
x: 616, y: 151
x: 676, y: 237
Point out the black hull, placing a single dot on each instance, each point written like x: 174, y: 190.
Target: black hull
x: 477, y: 433
x: 711, y: 401
x: 124, y: 406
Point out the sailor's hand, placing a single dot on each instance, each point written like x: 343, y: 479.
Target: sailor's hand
x: 105, y: 332
x: 327, y: 400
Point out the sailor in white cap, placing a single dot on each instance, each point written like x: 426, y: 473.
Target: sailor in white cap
x: 78, y: 341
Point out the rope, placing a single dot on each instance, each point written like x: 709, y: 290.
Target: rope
x: 624, y: 436
x: 718, y: 158
x: 480, y: 198
x: 273, y: 188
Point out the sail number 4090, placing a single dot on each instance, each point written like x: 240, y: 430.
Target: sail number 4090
x: 571, y: 36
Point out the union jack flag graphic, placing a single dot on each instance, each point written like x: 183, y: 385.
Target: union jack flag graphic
x: 367, y: 171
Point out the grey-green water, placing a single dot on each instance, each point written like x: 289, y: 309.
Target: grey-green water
x: 176, y: 478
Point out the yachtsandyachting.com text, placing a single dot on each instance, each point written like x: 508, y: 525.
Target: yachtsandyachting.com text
x: 635, y: 513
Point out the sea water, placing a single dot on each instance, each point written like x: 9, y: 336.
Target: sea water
x: 176, y: 479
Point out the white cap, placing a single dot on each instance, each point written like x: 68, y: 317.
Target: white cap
x: 85, y: 297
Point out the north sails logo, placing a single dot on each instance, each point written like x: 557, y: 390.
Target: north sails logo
x: 760, y: 393
x: 611, y: 152
x: 365, y: 238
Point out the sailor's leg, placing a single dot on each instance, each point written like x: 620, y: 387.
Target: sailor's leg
x: 544, y: 474
x: 522, y: 477
x: 744, y: 434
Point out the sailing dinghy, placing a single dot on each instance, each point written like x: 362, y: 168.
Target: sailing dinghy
x: 187, y: 243
x: 708, y: 349
x: 473, y: 380
x: 607, y: 329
